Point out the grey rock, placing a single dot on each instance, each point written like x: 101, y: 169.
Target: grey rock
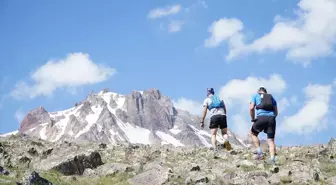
x: 274, y: 179
x: 257, y: 173
x: 274, y: 169
x: 113, y: 168
x: 89, y: 172
x: 195, y: 168
x: 70, y: 163
x: 150, y: 177
x: 332, y: 145
x: 4, y: 171
x: 246, y: 163
x: 34, y: 178
x: 333, y: 180
x: 260, y: 180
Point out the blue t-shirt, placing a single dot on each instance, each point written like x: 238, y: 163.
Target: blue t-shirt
x: 256, y: 99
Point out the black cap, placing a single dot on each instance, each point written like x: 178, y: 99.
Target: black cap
x: 210, y: 91
x: 262, y: 88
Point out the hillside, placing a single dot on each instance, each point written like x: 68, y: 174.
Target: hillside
x: 29, y: 161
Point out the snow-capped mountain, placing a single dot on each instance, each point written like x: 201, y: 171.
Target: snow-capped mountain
x: 146, y: 117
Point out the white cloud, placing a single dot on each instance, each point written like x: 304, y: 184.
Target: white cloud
x: 312, y: 116
x: 19, y: 115
x: 162, y: 12
x: 310, y: 35
x: 294, y: 100
x: 197, y: 4
x: 239, y: 125
x: 223, y: 30
x: 75, y: 70
x: 175, y: 26
x: 282, y: 105
x: 239, y: 91
x: 189, y: 105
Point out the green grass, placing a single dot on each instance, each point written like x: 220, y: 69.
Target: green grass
x: 328, y: 168
x: 247, y: 168
x: 7, y: 178
x: 228, y: 170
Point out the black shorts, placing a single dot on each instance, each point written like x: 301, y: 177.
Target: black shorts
x: 266, y: 124
x: 218, y: 121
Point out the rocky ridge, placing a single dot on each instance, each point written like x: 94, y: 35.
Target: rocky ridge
x: 27, y: 160
x: 143, y: 117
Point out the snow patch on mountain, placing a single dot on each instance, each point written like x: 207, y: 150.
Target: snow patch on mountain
x: 175, y: 130
x: 135, y: 134
x: 91, y: 119
x: 9, y: 133
x: 168, y: 139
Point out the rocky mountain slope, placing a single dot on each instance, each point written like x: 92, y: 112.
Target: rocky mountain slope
x: 144, y: 117
x: 27, y: 160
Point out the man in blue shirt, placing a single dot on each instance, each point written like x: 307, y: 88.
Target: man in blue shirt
x: 217, y: 109
x: 267, y: 111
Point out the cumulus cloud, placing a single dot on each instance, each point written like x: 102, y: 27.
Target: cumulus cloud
x: 239, y: 91
x: 294, y: 100
x: 282, y: 105
x: 240, y: 125
x: 310, y: 35
x: 199, y: 3
x: 175, y: 26
x: 75, y: 70
x: 189, y: 105
x: 312, y: 115
x: 222, y: 30
x: 162, y: 12
x: 19, y: 115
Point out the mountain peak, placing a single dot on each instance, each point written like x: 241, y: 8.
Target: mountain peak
x: 146, y: 117
x: 34, y: 117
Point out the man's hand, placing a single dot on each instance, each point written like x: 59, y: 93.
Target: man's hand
x: 202, y: 124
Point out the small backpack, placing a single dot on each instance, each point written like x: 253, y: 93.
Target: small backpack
x: 216, y: 102
x: 266, y: 102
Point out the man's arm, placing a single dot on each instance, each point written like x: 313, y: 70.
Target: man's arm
x: 275, y: 111
x: 205, y: 110
x: 252, y: 105
x: 275, y: 108
x: 252, y: 113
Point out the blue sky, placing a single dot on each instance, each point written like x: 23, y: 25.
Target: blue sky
x: 181, y: 48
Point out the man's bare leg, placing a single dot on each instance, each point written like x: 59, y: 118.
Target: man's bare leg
x: 255, y: 140
x: 271, y: 146
x: 213, y: 138
x: 227, y: 144
x: 256, y: 143
x: 224, y: 134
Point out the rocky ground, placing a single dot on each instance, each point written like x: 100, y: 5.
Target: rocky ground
x: 24, y: 160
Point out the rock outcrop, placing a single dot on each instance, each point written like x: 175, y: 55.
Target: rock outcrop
x: 146, y: 117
